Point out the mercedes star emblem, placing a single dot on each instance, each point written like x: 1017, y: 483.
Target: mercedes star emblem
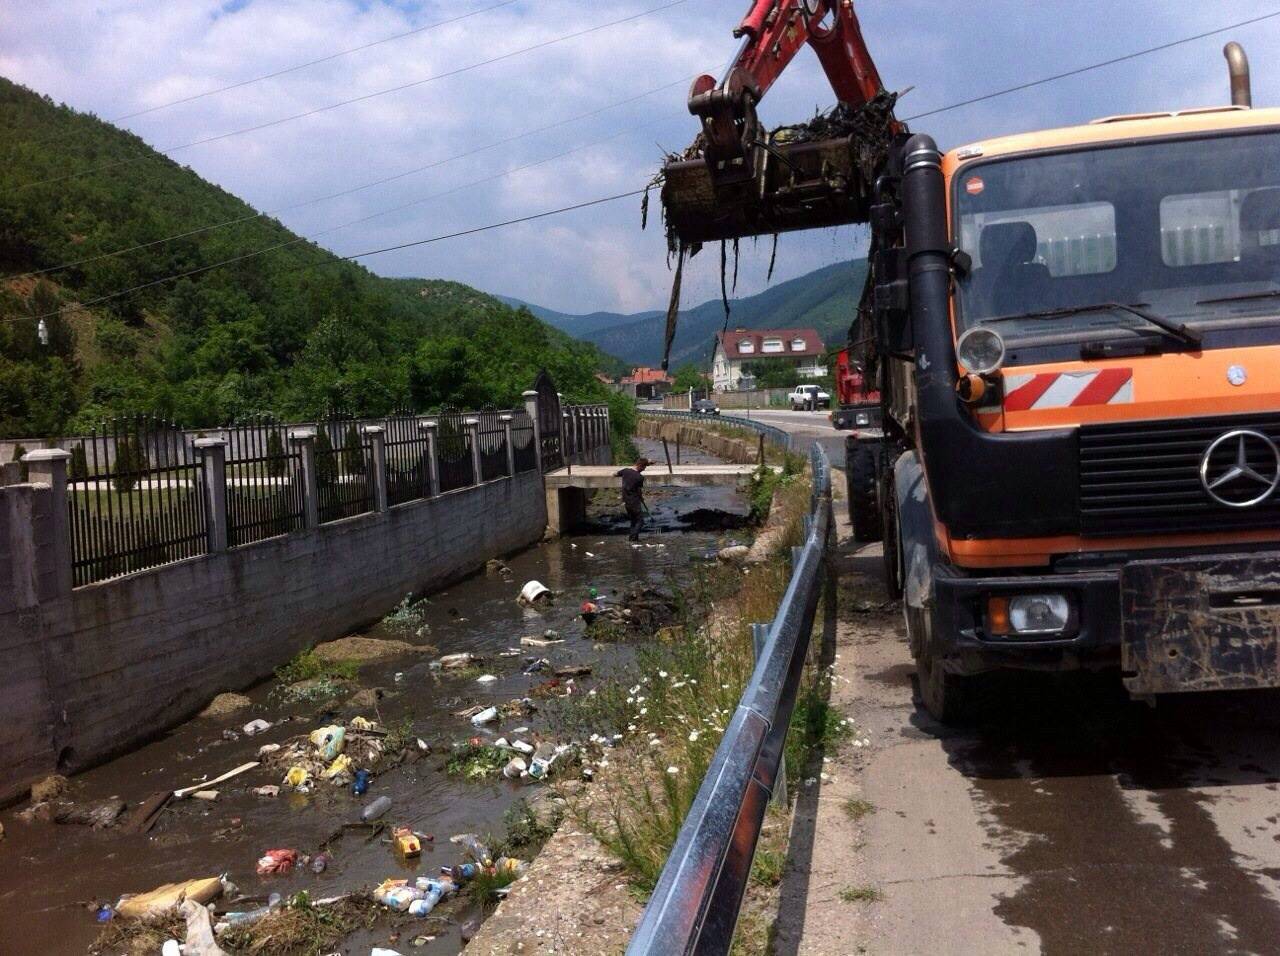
x: 1240, y: 468
x: 1236, y: 375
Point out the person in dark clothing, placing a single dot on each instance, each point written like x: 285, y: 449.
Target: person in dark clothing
x: 633, y: 495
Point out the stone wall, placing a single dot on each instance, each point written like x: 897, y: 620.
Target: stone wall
x: 741, y: 451
x: 98, y: 670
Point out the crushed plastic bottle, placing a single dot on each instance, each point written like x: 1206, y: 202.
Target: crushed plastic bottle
x: 485, y: 716
x: 360, y: 785
x: 397, y: 894
x: 471, y: 843
x: 376, y: 809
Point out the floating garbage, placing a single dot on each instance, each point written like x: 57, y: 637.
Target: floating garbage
x: 266, y: 750
x: 330, y: 740
x: 485, y: 716
x: 376, y: 809
x: 533, y: 665
x: 204, y: 785
x: 485, y: 679
x: 256, y: 727
x: 360, y: 785
x: 243, y: 917
x: 166, y: 897
x: 471, y: 843
x: 397, y: 894
x: 297, y: 777
x: 540, y: 641
x: 406, y: 843
x: 271, y: 790
x: 362, y: 723
x: 456, y: 661
x: 209, y: 795
x: 520, y: 745
x: 341, y: 764
x: 277, y: 862
x: 533, y: 592
x: 515, y: 768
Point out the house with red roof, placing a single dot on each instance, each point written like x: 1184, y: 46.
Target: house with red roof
x: 645, y: 382
x: 801, y: 348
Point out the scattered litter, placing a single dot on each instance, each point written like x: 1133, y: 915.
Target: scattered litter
x: 266, y: 750
x: 539, y: 641
x: 485, y: 716
x: 99, y: 814
x: 297, y: 777
x: 209, y: 795
x: 406, y: 843
x: 166, y: 897
x: 534, y: 592
x: 381, y: 951
x: 485, y: 679
x: 573, y: 670
x: 199, y: 939
x: 105, y: 913
x: 521, y: 746
x: 341, y: 765
x: 270, y: 790
x: 187, y: 791
x: 533, y: 665
x: 330, y: 741
x: 588, y: 554
x: 456, y: 661
x: 244, y: 917
x: 319, y: 863
x: 362, y: 723
x: 360, y: 785
x: 280, y: 862
x: 256, y: 727
x: 376, y: 809
x: 515, y: 769
x: 52, y: 786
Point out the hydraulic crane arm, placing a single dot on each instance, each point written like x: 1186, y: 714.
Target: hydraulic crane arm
x: 749, y: 185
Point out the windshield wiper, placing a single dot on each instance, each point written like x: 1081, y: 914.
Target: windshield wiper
x: 1177, y: 330
x: 1243, y: 297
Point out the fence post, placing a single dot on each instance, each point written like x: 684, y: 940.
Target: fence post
x: 531, y: 407
x: 48, y: 466
x: 511, y: 448
x: 214, y: 452
x: 378, y: 452
x: 472, y: 426
x: 305, y: 441
x: 433, y: 461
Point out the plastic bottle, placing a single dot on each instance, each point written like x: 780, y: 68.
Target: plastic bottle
x: 514, y: 768
x: 428, y: 902
x: 319, y: 863
x: 375, y: 809
x: 471, y: 843
x: 462, y: 873
x: 252, y: 916
x: 360, y: 785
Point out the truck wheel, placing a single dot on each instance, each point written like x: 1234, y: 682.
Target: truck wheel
x: 949, y: 698
x: 891, y: 546
x: 862, y: 483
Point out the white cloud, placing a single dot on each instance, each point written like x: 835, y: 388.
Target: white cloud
x: 114, y: 57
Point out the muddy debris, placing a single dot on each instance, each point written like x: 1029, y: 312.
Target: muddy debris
x: 734, y: 554
x: 369, y: 698
x: 225, y: 704
x: 52, y: 786
x: 364, y: 650
x: 639, y: 612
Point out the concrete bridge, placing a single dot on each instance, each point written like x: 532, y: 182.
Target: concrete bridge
x: 568, y: 488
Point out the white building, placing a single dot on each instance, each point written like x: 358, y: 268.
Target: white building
x: 801, y: 348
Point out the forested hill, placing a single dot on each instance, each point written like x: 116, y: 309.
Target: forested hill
x: 293, y: 331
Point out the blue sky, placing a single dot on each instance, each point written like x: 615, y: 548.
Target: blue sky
x: 113, y: 57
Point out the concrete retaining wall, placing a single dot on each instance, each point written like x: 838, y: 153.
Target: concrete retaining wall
x: 741, y: 451
x: 94, y: 672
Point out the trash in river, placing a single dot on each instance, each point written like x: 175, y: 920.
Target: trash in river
x: 456, y: 661
x: 485, y: 716
x: 145, y: 814
x: 297, y: 777
x: 521, y: 746
x: 534, y: 592
x: 330, y: 740
x: 485, y: 679
x: 471, y: 843
x: 533, y: 665
x: 515, y: 768
x: 573, y: 670
x: 406, y: 843
x: 209, y: 795
x: 397, y: 894
x: 362, y: 723
x: 270, y: 790
x: 256, y: 727
x: 206, y: 784
x: 266, y: 750
x: 243, y: 917
x: 462, y: 873
x: 199, y: 938
x: 375, y: 809
x: 99, y: 815
x: 104, y: 913
x: 540, y: 641
x: 319, y: 863
x: 279, y: 862
x: 166, y: 897
x: 382, y: 951
x: 171, y: 947
x: 423, y: 940
x: 361, y: 783
x: 51, y: 786
x: 341, y: 764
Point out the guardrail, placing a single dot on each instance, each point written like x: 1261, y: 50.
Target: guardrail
x: 694, y: 907
x: 773, y: 435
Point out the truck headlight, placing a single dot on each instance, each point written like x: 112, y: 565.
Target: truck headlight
x: 980, y: 351
x: 1028, y: 614
x: 862, y: 418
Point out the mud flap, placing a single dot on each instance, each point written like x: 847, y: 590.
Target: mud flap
x: 1201, y: 624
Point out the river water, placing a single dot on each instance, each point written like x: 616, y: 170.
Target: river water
x: 52, y: 877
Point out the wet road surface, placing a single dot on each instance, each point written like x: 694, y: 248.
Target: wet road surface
x: 52, y: 877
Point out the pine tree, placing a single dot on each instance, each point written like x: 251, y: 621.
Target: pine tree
x: 276, y: 463
x: 79, y: 469
x: 326, y: 465
x: 353, y: 451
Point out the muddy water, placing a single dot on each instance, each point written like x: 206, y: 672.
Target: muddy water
x: 52, y: 877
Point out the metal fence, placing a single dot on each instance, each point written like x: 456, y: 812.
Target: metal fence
x: 453, y: 451
x: 774, y: 436
x: 526, y: 453
x: 408, y: 462
x: 135, y: 497
x: 492, y: 436
x: 694, y: 907
x: 343, y: 462
x: 264, y: 482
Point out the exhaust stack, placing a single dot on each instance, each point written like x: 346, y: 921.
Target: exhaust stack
x: 1238, y: 67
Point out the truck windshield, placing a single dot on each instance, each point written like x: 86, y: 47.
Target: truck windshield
x: 1187, y: 229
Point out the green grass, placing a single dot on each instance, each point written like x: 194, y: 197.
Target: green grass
x: 766, y: 869
x: 856, y: 808
x: 308, y: 666
x: 861, y: 894
x: 526, y: 831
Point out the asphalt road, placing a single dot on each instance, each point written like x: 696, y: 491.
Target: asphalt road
x: 1069, y: 819
x: 806, y: 426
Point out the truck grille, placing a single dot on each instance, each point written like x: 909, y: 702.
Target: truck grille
x: 1144, y: 477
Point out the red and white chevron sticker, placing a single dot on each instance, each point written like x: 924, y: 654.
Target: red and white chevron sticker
x: 1108, y: 386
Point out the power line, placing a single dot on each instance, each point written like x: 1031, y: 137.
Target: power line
x: 360, y: 99
x: 302, y: 66
x: 347, y: 258
x: 353, y: 189
x: 1094, y: 66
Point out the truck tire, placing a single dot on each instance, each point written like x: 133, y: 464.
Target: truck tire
x: 891, y: 541
x: 862, y: 466
x: 949, y: 698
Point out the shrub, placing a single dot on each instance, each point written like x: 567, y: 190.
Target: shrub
x: 326, y: 460
x: 79, y: 468
x: 352, y: 451
x: 276, y: 463
x: 18, y: 452
x: 130, y: 465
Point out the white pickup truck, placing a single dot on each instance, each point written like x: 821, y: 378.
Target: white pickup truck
x: 808, y: 396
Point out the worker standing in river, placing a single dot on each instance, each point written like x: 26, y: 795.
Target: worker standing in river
x: 633, y: 495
